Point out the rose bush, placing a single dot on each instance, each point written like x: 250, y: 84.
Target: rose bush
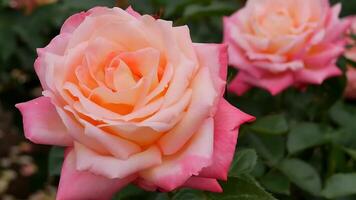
x: 277, y: 44
x: 133, y: 100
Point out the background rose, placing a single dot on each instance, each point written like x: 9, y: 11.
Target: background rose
x: 276, y: 44
x: 350, y: 54
x: 133, y: 99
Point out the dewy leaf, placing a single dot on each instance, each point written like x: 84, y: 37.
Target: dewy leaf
x: 276, y: 182
x: 270, y: 147
x: 302, y: 174
x: 303, y: 136
x: 243, y: 187
x: 340, y: 185
x: 244, y: 162
x: 56, y: 157
x: 271, y: 124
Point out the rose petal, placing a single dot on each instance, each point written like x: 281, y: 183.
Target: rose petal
x: 202, y: 104
x: 112, y: 167
x: 175, y: 170
x: 42, y: 124
x: 207, y: 184
x: 77, y: 185
x: 214, y: 57
x: 317, y: 76
x: 227, y: 121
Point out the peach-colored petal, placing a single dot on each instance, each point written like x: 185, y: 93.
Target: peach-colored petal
x: 175, y: 170
x: 76, y: 131
x: 41, y: 122
x: 118, y: 147
x: 327, y: 55
x: 202, y: 104
x: 112, y: 167
x: 214, y: 57
x: 77, y: 185
x: 227, y: 122
x: 199, y: 183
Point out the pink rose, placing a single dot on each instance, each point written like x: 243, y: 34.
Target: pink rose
x: 350, y: 54
x: 133, y: 100
x: 280, y: 43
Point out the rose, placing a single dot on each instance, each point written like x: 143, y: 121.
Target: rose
x: 350, y: 54
x: 133, y: 100
x: 280, y: 43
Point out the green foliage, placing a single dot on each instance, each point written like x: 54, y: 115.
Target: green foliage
x: 340, y: 185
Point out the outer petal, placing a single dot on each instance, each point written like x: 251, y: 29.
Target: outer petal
x: 132, y: 12
x: 78, y: 185
x: 227, y: 120
x: 273, y: 83
x: 238, y: 87
x: 42, y: 124
x: 175, y: 170
x: 73, y: 22
x: 317, y: 76
x: 207, y: 184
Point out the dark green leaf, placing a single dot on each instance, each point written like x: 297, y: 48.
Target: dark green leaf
x: 271, y: 124
x: 242, y: 188
x: 302, y: 174
x: 340, y: 185
x: 276, y: 182
x: 303, y: 136
x: 56, y: 157
x: 350, y: 152
x: 189, y: 194
x: 244, y: 162
x: 270, y: 147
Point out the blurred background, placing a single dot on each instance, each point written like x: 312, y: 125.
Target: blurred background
x: 303, y: 145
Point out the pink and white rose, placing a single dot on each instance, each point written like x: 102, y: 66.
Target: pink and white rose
x: 134, y: 101
x: 280, y: 43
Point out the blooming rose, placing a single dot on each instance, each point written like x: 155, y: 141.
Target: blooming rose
x: 350, y: 54
x: 133, y: 100
x: 279, y: 43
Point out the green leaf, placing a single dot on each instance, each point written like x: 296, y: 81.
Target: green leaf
x: 303, y: 136
x: 216, y: 8
x: 244, y: 187
x: 244, y: 162
x: 55, y: 161
x: 189, y: 194
x: 132, y: 192
x: 271, y: 124
x: 340, y: 185
x: 344, y: 115
x: 350, y: 152
x: 302, y: 174
x: 270, y: 147
x: 276, y: 182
